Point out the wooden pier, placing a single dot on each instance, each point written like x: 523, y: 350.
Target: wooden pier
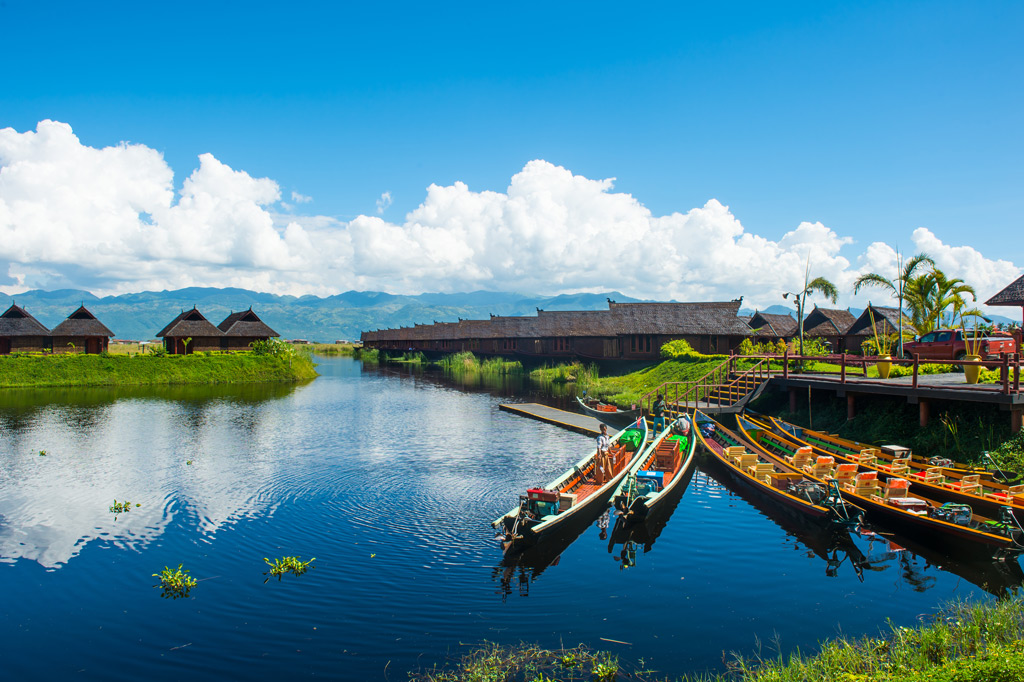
x: 574, y: 421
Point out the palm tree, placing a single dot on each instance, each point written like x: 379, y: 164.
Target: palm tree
x: 896, y: 287
x: 819, y: 284
x: 930, y: 295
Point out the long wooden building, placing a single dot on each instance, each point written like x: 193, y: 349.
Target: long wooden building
x: 190, y: 332
x: 626, y: 331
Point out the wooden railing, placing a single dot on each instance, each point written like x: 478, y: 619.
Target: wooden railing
x: 715, y: 387
x: 1008, y: 364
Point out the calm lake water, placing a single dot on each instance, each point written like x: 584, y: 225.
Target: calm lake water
x: 390, y: 480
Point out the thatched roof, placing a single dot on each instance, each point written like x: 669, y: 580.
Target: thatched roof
x: 17, y: 322
x: 1013, y: 294
x: 247, y: 324
x: 81, y: 323
x: 887, y: 321
x: 773, y: 324
x: 190, y: 323
x: 828, y: 322
x: 677, y: 318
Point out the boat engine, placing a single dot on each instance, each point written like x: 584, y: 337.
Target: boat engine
x: 952, y: 512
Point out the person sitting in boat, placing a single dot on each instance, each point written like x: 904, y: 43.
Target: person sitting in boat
x: 658, y: 410
x: 602, y: 462
x: 682, y: 425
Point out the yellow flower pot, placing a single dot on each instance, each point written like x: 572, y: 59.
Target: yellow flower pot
x: 884, y: 366
x: 972, y: 372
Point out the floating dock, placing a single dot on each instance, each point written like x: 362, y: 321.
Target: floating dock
x: 574, y: 421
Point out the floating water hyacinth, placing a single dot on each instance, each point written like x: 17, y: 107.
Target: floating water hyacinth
x: 288, y: 564
x: 175, y: 584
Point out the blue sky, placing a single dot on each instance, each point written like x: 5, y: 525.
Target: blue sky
x: 874, y: 119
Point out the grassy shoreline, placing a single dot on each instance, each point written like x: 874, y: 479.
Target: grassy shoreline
x: 148, y: 370
x: 963, y: 642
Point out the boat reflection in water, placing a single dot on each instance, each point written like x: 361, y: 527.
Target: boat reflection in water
x: 872, y: 550
x: 643, y: 533
x: 518, y: 569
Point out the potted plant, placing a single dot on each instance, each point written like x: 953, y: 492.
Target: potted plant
x: 883, y: 347
x: 972, y: 343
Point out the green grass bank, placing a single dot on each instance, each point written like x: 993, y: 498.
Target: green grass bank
x: 150, y: 370
x: 982, y: 642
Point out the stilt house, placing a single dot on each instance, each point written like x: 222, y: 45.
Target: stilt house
x: 82, y: 332
x: 772, y: 327
x: 190, y: 332
x: 22, y: 333
x: 241, y: 329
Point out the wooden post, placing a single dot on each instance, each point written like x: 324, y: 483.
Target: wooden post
x: 792, y: 400
x: 851, y: 406
x: 1015, y: 420
x: 1004, y: 372
x: 923, y: 412
x: 785, y: 363
x: 1016, y: 374
x: 842, y: 376
x: 917, y: 365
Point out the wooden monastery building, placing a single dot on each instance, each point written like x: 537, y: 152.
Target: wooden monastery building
x: 772, y: 326
x: 81, y: 332
x: 22, y: 333
x: 626, y: 331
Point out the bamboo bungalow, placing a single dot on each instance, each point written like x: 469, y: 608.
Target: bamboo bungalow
x: 241, y: 329
x: 190, y: 332
x: 81, y: 331
x: 887, y: 323
x: 772, y: 327
x: 1012, y: 295
x: 22, y: 333
x: 831, y: 325
x: 642, y: 328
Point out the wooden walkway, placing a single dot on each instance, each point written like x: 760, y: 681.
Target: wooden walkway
x: 574, y: 421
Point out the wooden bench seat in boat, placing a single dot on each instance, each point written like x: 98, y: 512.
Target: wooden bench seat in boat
x: 868, y: 456
x: 822, y: 466
x: 1015, y: 493
x: 864, y: 484
x: 845, y: 473
x: 898, y: 467
x: 932, y: 475
x: 802, y: 457
x: 746, y: 460
x: 783, y: 479
x: 761, y: 470
x: 968, y: 484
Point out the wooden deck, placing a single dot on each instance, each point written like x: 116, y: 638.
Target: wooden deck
x: 574, y: 421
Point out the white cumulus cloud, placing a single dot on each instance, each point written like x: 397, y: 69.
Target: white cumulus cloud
x: 111, y: 220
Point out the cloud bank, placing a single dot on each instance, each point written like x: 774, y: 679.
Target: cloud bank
x: 110, y: 220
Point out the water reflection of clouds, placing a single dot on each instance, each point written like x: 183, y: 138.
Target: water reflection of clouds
x: 52, y: 506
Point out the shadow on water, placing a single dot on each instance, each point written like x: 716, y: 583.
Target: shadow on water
x: 872, y: 551
x: 643, y: 534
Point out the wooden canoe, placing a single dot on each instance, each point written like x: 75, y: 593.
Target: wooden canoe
x: 984, y: 495
x: 609, y: 414
x: 772, y: 478
x: 654, y: 474
x: 580, y: 495
x: 897, y: 504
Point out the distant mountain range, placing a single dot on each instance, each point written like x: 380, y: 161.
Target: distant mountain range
x: 344, y: 316
x: 341, y: 317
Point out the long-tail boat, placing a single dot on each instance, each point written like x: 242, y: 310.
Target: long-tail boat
x: 576, y: 497
x: 984, y: 495
x: 609, y: 414
x: 951, y: 526
x: 773, y: 478
x: 656, y: 472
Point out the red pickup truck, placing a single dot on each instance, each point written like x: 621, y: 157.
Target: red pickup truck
x: 949, y: 344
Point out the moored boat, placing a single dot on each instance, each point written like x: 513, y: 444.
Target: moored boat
x: 894, y: 502
x: 609, y: 414
x: 656, y: 472
x: 774, y: 479
x: 962, y: 486
x: 576, y: 497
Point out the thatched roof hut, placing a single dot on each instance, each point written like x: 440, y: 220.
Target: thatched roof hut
x: 82, y: 329
x: 20, y: 332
